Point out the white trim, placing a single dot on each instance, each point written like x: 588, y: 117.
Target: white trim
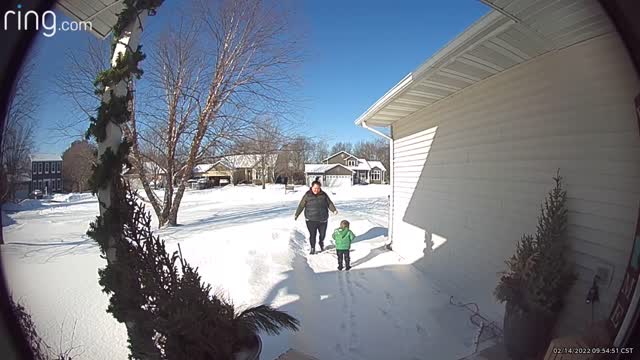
x: 386, y: 98
x: 391, y: 183
x: 463, y: 39
x: 341, y: 151
x: 331, y: 166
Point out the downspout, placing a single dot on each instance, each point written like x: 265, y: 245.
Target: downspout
x: 364, y: 125
x: 390, y: 138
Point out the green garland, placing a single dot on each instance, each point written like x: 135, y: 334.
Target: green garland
x: 131, y: 10
x: 119, y: 278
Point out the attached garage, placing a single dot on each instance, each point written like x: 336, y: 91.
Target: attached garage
x: 330, y: 175
x: 478, y: 131
x: 337, y: 180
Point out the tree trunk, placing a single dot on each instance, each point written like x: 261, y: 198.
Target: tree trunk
x: 129, y: 40
x: 139, y: 165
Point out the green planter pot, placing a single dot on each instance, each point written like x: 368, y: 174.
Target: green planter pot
x: 526, y: 334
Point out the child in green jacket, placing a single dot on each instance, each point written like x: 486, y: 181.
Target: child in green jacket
x: 343, y: 237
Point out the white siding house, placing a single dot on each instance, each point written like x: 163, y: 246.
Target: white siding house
x: 479, y: 131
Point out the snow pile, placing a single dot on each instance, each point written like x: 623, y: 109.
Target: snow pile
x: 6, y: 220
x: 246, y: 244
x: 72, y: 197
x: 24, y: 205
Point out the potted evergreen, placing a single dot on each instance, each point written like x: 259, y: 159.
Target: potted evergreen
x: 537, y: 279
x: 177, y: 315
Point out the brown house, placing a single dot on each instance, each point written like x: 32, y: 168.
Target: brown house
x: 364, y: 171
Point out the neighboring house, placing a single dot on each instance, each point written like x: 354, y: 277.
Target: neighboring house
x: 332, y: 175
x: 249, y: 168
x: 364, y: 171
x: 21, y: 185
x: 216, y: 174
x: 46, y: 173
x: 154, y: 173
x: 479, y: 130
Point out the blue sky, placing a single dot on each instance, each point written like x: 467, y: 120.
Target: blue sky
x: 355, y: 51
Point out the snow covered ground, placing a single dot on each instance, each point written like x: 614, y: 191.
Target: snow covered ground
x: 245, y: 243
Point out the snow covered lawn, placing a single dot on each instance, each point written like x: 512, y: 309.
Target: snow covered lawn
x: 245, y: 242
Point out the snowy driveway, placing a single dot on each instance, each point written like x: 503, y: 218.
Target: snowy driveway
x: 245, y: 243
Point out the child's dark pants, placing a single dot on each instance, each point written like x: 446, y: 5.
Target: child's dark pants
x: 343, y: 255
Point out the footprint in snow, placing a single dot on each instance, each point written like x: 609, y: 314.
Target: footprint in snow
x: 421, y: 330
x: 361, y: 287
x: 389, y: 297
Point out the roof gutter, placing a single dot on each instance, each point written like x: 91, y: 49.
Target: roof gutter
x: 386, y: 98
x: 364, y: 125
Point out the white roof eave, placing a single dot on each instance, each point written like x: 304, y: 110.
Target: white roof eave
x: 103, y: 14
x: 442, y: 56
x: 513, y: 33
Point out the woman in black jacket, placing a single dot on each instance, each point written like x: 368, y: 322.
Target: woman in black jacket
x: 316, y: 204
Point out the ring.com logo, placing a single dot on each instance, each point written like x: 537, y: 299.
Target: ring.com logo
x: 48, y: 21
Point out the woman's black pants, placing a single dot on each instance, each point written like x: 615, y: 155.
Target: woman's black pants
x: 316, y: 227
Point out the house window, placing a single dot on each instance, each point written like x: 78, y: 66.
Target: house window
x: 352, y: 162
x: 35, y: 168
x: 59, y: 167
x: 46, y: 168
x: 39, y: 168
x: 40, y: 184
x: 375, y: 174
x: 58, y: 187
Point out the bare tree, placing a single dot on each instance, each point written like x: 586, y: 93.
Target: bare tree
x: 321, y: 151
x: 366, y: 150
x: 292, y: 157
x: 382, y: 154
x: 76, y: 84
x: 17, y: 138
x: 341, y: 146
x: 266, y: 141
x: 248, y: 59
x: 207, y: 78
x: 78, y: 160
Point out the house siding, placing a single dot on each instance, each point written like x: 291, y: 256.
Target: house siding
x: 338, y: 170
x: 46, y: 172
x: 339, y: 158
x: 474, y: 168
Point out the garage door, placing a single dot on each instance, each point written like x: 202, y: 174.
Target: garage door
x: 337, y: 180
x: 312, y: 178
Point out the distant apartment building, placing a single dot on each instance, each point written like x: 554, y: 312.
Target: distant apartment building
x: 46, y: 173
